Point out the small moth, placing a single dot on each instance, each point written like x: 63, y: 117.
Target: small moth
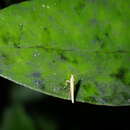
x: 72, y: 87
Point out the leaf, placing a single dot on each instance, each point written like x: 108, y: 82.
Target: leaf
x: 43, y: 42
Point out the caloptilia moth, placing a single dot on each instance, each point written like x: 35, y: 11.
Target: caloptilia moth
x: 72, y: 87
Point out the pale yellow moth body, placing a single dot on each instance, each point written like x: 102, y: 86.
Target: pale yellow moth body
x: 72, y: 87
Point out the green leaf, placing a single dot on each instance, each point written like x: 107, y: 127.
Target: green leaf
x: 43, y: 42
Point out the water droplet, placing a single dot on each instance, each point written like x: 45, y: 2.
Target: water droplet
x: 21, y: 26
x: 43, y: 6
x: 36, y: 54
x: 54, y: 73
x: 47, y: 7
x: 65, y: 87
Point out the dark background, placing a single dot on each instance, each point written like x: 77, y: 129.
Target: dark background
x: 66, y: 116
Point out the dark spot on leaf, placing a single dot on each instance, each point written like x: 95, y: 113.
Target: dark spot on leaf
x: 99, y: 41
x: 6, y: 59
x: 3, y: 57
x: 17, y: 45
x: 63, y: 57
x: 1, y: 71
x: 39, y: 83
x: 36, y: 74
x: 17, y: 42
x: 93, y: 21
x: 75, y: 61
x: 53, y: 61
x: 5, y: 39
x: 120, y: 75
x: 79, y: 7
x: 45, y: 28
x: 106, y: 34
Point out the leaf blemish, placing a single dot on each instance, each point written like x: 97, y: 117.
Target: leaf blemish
x: 53, y: 61
x: 94, y: 21
x: 120, y: 75
x: 5, y: 58
x: 36, y: 54
x: 6, y: 38
x: 36, y: 74
x: 63, y: 57
x: 1, y: 71
x: 39, y: 83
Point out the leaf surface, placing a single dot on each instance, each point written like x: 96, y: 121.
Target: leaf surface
x: 43, y: 42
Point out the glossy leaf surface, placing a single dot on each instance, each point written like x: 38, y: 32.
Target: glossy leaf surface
x: 43, y: 42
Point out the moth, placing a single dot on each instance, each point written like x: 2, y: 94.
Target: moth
x: 72, y: 87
